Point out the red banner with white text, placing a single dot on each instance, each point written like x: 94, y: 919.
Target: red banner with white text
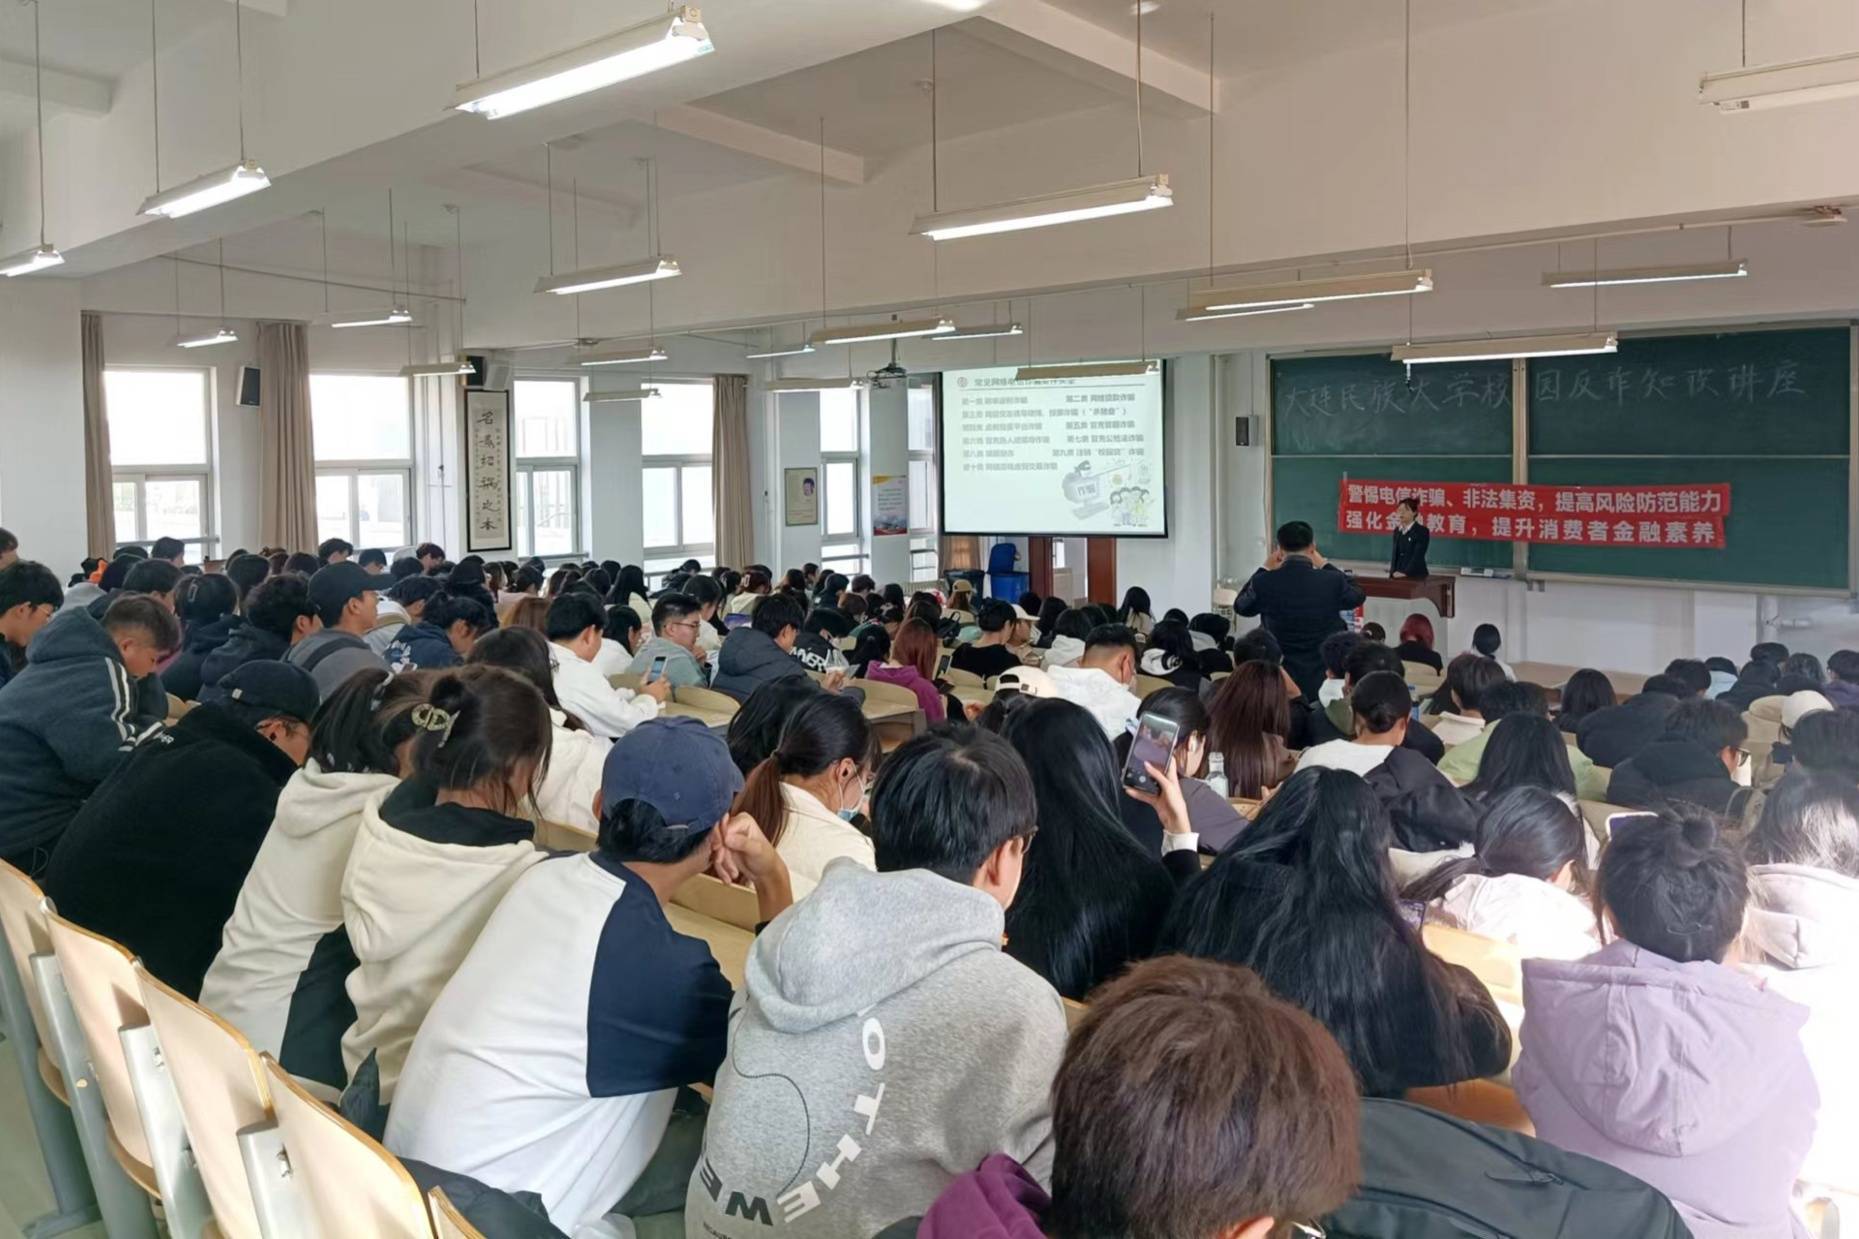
x: 1683, y: 514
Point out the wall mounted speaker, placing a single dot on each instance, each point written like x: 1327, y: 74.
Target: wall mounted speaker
x: 248, y: 386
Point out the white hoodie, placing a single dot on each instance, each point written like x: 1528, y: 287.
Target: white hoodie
x: 584, y: 692
x: 813, y: 836
x: 1802, y: 934
x: 291, y: 899
x: 1064, y: 652
x: 1098, y: 691
x: 576, y: 759
x: 413, y: 907
x: 1540, y: 919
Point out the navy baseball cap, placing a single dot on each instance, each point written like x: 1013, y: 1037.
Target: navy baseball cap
x: 678, y: 766
x: 274, y: 687
x: 335, y: 584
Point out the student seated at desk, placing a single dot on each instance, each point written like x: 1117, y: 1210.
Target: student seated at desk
x: 841, y: 984
x: 911, y: 664
x: 1248, y: 723
x: 1700, y: 760
x: 809, y: 790
x: 1653, y: 1056
x: 988, y: 656
x: 551, y: 1061
x: 1499, y: 702
x: 1455, y: 702
x: 574, y: 631
x: 1587, y: 692
x: 1417, y: 643
x: 1337, y: 722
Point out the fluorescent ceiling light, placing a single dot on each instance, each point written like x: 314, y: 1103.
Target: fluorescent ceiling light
x: 1145, y: 193
x: 797, y: 351
x: 1508, y: 346
x: 395, y: 317
x: 982, y: 332
x: 657, y: 44
x: 859, y: 333
x: 658, y: 268
x: 221, y: 335
x: 36, y: 259
x: 622, y: 357
x: 461, y: 368
x: 1192, y: 315
x: 1778, y: 85
x: 621, y: 397
x: 209, y: 191
x: 1647, y: 275
x: 1084, y: 370
x: 813, y: 384
x: 1331, y: 288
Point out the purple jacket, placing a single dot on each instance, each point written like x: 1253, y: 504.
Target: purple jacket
x: 1690, y: 1076
x: 1843, y: 695
x: 998, y: 1201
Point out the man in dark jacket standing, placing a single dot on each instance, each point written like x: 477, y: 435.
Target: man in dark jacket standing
x: 1700, y: 760
x: 1610, y: 737
x: 68, y: 718
x: 1300, y: 597
x: 156, y: 857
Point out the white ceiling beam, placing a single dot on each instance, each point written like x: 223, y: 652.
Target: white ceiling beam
x: 1069, y: 44
x: 69, y: 92
x: 745, y: 138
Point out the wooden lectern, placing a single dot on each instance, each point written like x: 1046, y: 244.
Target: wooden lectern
x: 1438, y: 590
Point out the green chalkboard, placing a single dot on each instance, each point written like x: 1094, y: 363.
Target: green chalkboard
x: 1304, y: 488
x: 1366, y: 405
x: 1768, y: 412
x: 1787, y: 524
x: 1749, y: 393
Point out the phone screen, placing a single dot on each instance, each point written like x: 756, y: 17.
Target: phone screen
x: 1153, y: 742
x: 1414, y: 912
x: 942, y: 668
x: 657, y: 671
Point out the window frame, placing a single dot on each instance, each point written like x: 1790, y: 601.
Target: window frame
x: 524, y: 469
x: 925, y: 540
x: 354, y: 470
x: 678, y: 463
x: 140, y: 476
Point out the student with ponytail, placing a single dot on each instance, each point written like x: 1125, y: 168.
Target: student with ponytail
x: 809, y: 792
x: 1653, y: 1056
x: 284, y: 954
x: 433, y: 857
x: 572, y: 785
x: 1525, y: 883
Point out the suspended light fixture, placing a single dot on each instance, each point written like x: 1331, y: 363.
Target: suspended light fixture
x: 1727, y: 270
x: 1501, y: 347
x: 44, y: 254
x: 660, y: 268
x: 621, y: 357
x: 983, y: 331
x: 1192, y: 315
x: 1297, y: 293
x: 1084, y: 370
x: 861, y: 333
x: 244, y: 177
x: 460, y: 365
x: 666, y: 40
x: 396, y: 315
x: 220, y: 335
x: 1145, y: 192
x: 799, y: 350
x: 629, y: 396
x: 838, y: 384
x: 1779, y: 85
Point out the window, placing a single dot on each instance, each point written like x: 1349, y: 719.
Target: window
x: 159, y: 456
x: 361, y: 431
x: 842, y: 505
x: 677, y: 485
x: 924, y: 518
x: 547, y: 414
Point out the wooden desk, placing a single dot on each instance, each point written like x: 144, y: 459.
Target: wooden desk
x: 1440, y: 590
x: 728, y: 944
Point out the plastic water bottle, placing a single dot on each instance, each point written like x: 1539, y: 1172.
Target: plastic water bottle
x: 1216, y: 773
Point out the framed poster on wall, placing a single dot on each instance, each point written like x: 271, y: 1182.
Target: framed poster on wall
x: 890, y: 505
x: 487, y: 471
x: 802, y: 490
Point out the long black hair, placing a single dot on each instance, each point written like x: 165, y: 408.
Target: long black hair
x: 1523, y: 751
x: 1527, y: 830
x: 1090, y: 900
x: 1135, y: 602
x: 1306, y: 899
x: 1586, y: 692
x: 756, y: 728
x: 823, y: 730
x: 526, y: 652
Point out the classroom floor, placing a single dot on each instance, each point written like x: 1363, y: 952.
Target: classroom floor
x: 24, y: 1193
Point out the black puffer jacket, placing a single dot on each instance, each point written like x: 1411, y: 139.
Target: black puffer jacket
x: 1669, y: 773
x: 1609, y: 737
x: 1427, y: 812
x: 182, y: 676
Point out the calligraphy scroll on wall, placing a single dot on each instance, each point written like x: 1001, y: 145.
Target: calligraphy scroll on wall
x: 487, y: 471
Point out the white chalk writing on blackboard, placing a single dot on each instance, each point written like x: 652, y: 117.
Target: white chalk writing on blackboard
x: 1741, y: 383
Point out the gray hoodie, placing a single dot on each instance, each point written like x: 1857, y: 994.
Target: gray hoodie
x: 331, y: 656
x: 882, y: 1045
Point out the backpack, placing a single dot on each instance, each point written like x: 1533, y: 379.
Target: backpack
x: 1427, y: 1175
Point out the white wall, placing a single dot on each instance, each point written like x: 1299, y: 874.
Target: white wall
x: 42, y: 421
x: 796, y: 445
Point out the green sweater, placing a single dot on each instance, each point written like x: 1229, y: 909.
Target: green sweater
x: 1460, y: 764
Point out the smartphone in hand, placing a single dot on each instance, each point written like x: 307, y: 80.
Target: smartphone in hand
x: 1154, y: 741
x: 657, y: 670
x: 942, y: 668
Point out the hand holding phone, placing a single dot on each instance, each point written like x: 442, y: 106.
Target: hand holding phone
x: 657, y: 670
x: 1152, y: 745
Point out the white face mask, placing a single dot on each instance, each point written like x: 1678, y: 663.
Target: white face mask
x: 1743, y: 774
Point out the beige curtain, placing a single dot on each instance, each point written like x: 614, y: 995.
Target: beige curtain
x: 733, y: 504
x: 287, y: 480
x: 99, y: 499
x: 958, y: 553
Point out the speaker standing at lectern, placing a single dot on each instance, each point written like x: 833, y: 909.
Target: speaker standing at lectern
x: 1410, y: 541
